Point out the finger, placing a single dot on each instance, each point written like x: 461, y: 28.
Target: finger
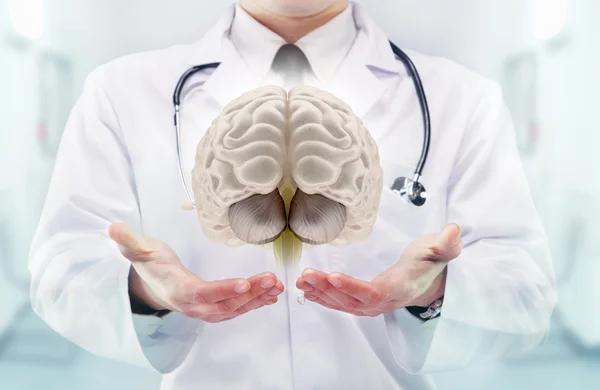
x: 258, y: 302
x: 332, y: 306
x: 318, y: 280
x: 259, y: 284
x: 335, y: 281
x: 213, y: 319
x: 130, y: 243
x: 323, y: 296
x: 217, y: 291
x: 310, y: 290
x: 358, y: 289
x: 223, y: 308
x: 449, y: 242
x: 264, y: 300
x: 303, y: 285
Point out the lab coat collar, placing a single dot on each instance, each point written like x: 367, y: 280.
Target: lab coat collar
x: 255, y: 43
x: 354, y: 81
x: 232, y: 77
x: 327, y: 46
x: 374, y: 45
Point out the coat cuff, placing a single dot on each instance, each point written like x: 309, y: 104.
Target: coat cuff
x: 166, y: 341
x: 410, y: 338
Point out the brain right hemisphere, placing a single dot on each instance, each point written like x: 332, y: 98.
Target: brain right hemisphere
x: 333, y: 154
x: 268, y: 146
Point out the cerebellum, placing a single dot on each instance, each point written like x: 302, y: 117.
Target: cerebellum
x: 259, y: 219
x: 315, y: 219
x: 274, y: 162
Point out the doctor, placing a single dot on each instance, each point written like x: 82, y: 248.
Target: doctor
x: 120, y: 269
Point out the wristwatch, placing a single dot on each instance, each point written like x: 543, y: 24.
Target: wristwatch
x: 429, y: 312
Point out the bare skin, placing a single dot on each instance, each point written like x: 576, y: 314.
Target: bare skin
x: 293, y: 19
x: 160, y: 281
x: 417, y: 279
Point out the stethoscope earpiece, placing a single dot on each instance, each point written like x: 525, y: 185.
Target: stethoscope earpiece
x: 411, y: 191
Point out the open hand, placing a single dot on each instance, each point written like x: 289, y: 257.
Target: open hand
x: 417, y: 279
x: 160, y: 281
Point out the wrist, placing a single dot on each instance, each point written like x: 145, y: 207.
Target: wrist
x: 433, y: 293
x: 141, y: 299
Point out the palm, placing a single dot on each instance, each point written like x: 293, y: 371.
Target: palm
x: 415, y: 280
x: 161, y: 280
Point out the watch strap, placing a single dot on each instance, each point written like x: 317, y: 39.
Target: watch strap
x: 426, y: 313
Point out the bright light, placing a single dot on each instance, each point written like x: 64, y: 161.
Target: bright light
x: 27, y: 17
x: 549, y: 17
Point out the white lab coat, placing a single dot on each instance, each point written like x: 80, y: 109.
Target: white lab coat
x: 117, y: 163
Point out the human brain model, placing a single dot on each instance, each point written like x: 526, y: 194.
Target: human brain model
x: 279, y: 170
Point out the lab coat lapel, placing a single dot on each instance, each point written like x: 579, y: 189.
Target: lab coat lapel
x: 232, y: 78
x: 354, y: 81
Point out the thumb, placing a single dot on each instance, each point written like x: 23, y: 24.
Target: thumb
x: 449, y: 242
x: 130, y: 243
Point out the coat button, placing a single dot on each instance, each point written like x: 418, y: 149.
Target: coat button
x: 301, y: 298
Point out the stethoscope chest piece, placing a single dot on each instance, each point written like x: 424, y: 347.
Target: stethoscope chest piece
x: 411, y: 191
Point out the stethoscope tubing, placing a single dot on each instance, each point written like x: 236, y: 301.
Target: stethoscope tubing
x: 400, y: 54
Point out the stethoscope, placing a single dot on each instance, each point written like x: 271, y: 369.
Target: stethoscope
x: 411, y: 190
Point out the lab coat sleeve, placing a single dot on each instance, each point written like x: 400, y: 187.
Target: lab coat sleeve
x: 500, y: 292
x: 79, y: 280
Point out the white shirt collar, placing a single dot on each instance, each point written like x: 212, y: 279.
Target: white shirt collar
x: 325, y: 48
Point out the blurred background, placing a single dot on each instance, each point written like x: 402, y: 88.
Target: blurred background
x: 545, y: 53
